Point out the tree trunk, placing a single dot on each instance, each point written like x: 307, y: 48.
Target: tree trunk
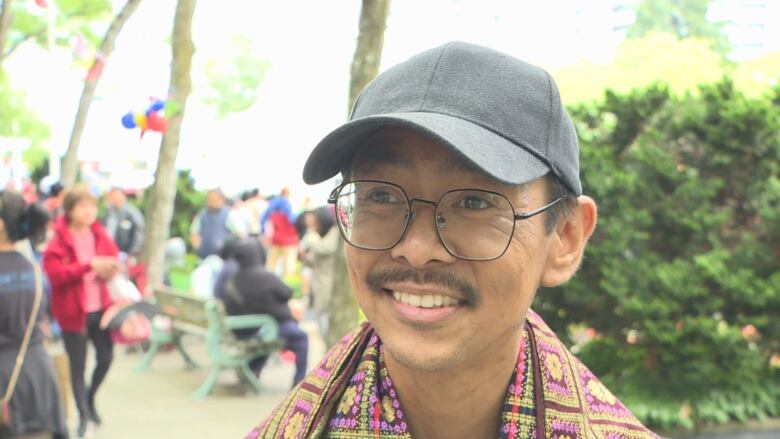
x: 344, y: 313
x: 70, y: 161
x: 368, y: 52
x: 5, y: 25
x: 159, y: 209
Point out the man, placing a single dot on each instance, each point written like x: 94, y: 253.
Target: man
x: 54, y: 202
x: 253, y: 207
x: 125, y: 225
x: 124, y: 222
x: 212, y: 225
x: 461, y: 197
x: 284, y: 236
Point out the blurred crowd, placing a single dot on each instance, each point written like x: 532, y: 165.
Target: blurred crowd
x: 71, y: 272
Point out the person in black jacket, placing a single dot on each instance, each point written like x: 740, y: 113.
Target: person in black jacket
x: 255, y: 290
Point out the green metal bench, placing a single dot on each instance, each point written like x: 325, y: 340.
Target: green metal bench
x: 206, y: 318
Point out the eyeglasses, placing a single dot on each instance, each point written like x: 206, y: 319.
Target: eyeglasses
x: 472, y: 224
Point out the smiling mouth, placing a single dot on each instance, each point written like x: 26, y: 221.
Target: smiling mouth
x: 425, y: 301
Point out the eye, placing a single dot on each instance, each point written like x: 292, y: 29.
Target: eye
x: 383, y: 196
x: 475, y: 202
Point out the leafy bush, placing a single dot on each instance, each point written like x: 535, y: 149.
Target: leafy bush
x: 186, y: 205
x: 681, y: 280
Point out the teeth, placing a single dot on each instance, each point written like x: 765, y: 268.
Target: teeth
x: 427, y: 301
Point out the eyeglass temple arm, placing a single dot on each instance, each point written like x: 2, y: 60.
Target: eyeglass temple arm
x: 522, y: 216
x: 332, y: 198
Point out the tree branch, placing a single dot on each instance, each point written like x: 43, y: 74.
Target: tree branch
x: 70, y: 160
x: 21, y: 41
x: 5, y: 25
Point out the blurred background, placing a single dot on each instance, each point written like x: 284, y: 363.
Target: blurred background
x: 676, y: 102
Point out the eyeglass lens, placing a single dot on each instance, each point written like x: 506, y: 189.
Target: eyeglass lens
x: 472, y: 224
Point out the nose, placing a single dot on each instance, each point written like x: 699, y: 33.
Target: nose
x: 421, y: 247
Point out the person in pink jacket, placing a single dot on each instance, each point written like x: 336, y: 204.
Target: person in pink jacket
x: 79, y: 259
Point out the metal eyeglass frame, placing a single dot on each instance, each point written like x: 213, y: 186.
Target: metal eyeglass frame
x: 334, y: 195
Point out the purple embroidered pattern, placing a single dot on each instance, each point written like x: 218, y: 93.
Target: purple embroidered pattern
x: 369, y: 406
x: 350, y: 395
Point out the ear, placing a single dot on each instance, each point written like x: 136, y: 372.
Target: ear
x: 568, y: 242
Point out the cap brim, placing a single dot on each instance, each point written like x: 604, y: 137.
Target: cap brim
x: 489, y: 152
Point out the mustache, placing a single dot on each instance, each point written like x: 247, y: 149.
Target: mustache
x: 376, y: 279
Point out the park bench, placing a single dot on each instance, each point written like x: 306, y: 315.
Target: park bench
x: 206, y: 317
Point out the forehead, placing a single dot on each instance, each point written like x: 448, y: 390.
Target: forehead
x: 405, y: 157
x: 86, y: 200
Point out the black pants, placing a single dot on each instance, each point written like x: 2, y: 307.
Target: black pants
x: 76, y: 347
x: 298, y: 342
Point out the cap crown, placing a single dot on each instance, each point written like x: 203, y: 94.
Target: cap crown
x: 511, y: 98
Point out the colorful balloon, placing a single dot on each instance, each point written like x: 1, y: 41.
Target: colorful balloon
x: 157, y: 123
x: 128, y: 121
x: 140, y: 120
x: 156, y: 106
x: 154, y: 118
x: 171, y: 108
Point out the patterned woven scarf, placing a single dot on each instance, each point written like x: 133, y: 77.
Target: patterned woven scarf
x: 551, y: 394
x: 369, y: 406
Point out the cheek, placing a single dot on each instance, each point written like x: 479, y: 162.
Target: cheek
x: 511, y: 285
x: 85, y: 211
x: 506, y: 284
x: 88, y: 213
x: 358, y: 266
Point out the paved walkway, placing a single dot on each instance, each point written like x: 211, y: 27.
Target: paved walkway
x: 158, y: 404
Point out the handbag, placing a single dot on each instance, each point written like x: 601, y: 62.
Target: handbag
x: 121, y: 288
x: 129, y: 323
x: 5, y: 416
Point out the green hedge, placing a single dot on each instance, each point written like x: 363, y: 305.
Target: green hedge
x: 681, y: 280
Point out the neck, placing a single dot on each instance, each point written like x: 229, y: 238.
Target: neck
x: 6, y: 245
x: 463, y: 402
x: 78, y: 227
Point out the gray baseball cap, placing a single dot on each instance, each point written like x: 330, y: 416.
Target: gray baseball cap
x: 499, y: 113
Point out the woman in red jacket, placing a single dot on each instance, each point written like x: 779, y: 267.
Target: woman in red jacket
x: 79, y: 260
